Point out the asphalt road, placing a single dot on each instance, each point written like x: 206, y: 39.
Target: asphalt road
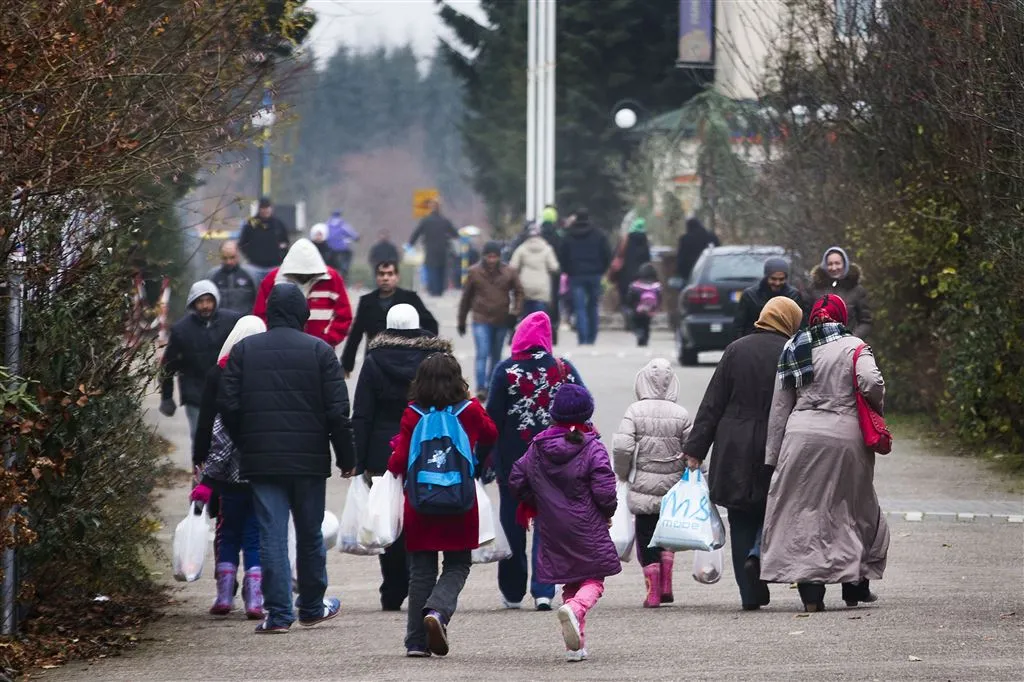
x: 951, y: 607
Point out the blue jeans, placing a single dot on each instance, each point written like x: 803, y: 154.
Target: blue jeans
x: 489, y: 339
x: 237, y: 528
x: 586, y: 295
x: 512, y: 572
x: 530, y: 306
x: 304, y: 497
x: 435, y: 280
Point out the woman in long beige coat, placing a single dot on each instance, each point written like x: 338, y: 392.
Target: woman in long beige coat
x: 823, y: 524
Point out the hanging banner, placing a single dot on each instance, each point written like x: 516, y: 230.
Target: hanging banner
x: 696, y: 33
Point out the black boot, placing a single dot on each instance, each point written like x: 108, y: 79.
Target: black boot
x: 855, y: 593
x: 813, y: 596
x: 752, y: 568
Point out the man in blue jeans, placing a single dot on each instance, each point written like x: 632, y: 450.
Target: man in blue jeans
x: 585, y: 257
x: 494, y: 294
x: 284, y: 402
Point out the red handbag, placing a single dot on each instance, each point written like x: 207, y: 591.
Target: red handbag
x: 872, y: 425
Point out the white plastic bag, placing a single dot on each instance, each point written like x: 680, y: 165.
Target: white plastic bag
x: 356, y: 503
x: 688, y: 520
x: 382, y: 523
x: 623, y: 530
x: 707, y: 566
x: 486, y: 514
x: 188, y: 548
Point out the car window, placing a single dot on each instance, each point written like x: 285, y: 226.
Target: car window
x: 736, y: 266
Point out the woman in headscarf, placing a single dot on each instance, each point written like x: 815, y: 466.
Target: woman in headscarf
x: 382, y: 394
x: 522, y: 390
x: 216, y: 464
x: 636, y: 251
x: 837, y: 275
x: 823, y: 524
x: 734, y: 416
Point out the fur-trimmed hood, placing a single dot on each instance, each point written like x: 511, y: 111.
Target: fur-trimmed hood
x: 820, y: 279
x: 397, y: 353
x: 417, y: 340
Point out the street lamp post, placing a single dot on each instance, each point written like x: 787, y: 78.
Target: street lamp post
x: 264, y: 121
x: 540, y: 105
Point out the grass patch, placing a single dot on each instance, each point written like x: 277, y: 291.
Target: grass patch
x: 927, y: 430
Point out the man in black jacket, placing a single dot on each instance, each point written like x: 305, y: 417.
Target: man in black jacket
x: 263, y: 241
x: 585, y: 256
x: 372, y: 313
x: 752, y: 302
x: 691, y: 246
x: 236, y: 285
x: 383, y: 250
x: 284, y: 402
x: 192, y: 350
x: 437, y: 232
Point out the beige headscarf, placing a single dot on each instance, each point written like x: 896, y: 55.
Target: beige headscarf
x: 780, y: 314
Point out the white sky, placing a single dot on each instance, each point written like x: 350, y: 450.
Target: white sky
x: 366, y: 24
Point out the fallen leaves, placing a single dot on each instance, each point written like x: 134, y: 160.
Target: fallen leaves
x: 913, y: 659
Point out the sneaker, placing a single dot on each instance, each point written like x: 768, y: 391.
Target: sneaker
x: 437, y: 633
x: 542, y: 604
x: 332, y: 607
x: 513, y: 605
x: 570, y: 628
x: 417, y: 653
x: 265, y: 628
x: 576, y: 656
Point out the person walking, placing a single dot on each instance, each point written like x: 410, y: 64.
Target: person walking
x: 216, y: 458
x: 263, y: 241
x: 382, y: 394
x: 536, y: 263
x: 330, y: 314
x: 340, y: 237
x: 383, y: 251
x: 643, y: 301
x: 636, y: 252
x: 565, y: 479
x: 837, y: 275
x: 520, y: 396
x: 192, y: 350
x: 648, y: 455
x: 495, y: 295
x: 284, y: 403
x: 823, y: 524
x: 437, y: 233
x: 236, y: 286
x: 374, y: 307
x: 691, y: 245
x: 774, y: 283
x: 433, y: 599
x: 585, y: 257
x: 734, y: 417
x: 318, y: 235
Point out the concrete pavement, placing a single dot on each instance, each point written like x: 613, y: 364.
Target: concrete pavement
x: 951, y: 607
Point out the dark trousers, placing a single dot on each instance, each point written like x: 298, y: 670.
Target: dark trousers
x: 554, y: 310
x: 586, y: 298
x: 534, y: 306
x: 512, y: 572
x: 237, y: 528
x: 744, y: 538
x: 645, y: 525
x: 304, y: 497
x: 642, y: 328
x: 429, y: 592
x: 394, y: 573
x: 435, y: 280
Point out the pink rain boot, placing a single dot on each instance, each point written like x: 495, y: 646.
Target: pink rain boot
x: 226, y: 585
x: 667, y: 559
x: 652, y: 576
x: 252, y: 593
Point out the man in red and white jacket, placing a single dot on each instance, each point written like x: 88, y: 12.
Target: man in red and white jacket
x: 330, y: 314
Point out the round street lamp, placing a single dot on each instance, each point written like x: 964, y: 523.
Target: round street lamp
x: 626, y: 113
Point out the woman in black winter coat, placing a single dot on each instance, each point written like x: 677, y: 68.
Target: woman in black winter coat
x: 734, y: 416
x: 382, y: 394
x: 636, y: 252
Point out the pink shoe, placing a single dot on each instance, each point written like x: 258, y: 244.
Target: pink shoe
x: 252, y: 593
x: 652, y: 577
x: 667, y: 559
x: 226, y: 584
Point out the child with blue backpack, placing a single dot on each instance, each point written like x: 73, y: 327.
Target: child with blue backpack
x: 434, y: 453
x: 644, y: 299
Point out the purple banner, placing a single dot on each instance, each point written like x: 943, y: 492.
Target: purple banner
x: 696, y: 32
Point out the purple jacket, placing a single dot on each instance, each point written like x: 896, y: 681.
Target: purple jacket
x: 340, y: 234
x: 572, y: 487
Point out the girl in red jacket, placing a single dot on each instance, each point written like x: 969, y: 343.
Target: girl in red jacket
x: 432, y: 599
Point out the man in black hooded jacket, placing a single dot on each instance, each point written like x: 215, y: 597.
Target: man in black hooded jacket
x: 691, y: 246
x: 284, y: 402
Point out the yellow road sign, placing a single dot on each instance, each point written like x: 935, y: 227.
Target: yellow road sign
x: 420, y: 198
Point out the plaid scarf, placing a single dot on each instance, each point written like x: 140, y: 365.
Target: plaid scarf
x: 796, y: 368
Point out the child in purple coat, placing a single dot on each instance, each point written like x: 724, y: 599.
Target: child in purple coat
x: 566, y: 477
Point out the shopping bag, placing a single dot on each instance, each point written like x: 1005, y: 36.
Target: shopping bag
x: 188, y: 548
x: 485, y: 513
x: 707, y: 566
x: 382, y: 523
x: 687, y: 519
x: 623, y: 530
x: 356, y: 503
x: 497, y: 547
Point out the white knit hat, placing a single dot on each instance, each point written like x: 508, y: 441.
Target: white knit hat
x: 403, y: 316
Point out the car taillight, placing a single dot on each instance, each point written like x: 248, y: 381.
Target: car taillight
x: 703, y: 295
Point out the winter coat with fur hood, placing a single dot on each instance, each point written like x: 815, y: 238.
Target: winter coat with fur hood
x: 330, y: 314
x: 536, y: 262
x: 652, y: 434
x: 851, y: 291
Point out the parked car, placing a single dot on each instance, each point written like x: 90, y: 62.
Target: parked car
x: 707, y: 305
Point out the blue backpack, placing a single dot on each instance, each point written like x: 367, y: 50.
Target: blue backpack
x: 441, y: 467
